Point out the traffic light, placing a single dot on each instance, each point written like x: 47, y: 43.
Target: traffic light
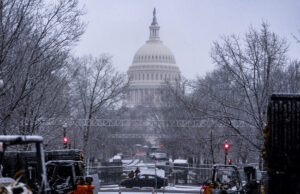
x: 65, y: 139
x: 226, y: 146
x: 229, y: 161
x: 65, y: 142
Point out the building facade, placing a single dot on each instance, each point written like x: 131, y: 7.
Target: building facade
x: 152, y: 67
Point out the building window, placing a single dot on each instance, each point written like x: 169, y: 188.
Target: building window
x: 156, y: 76
x: 147, y: 76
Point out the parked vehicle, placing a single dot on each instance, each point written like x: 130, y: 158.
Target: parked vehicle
x: 63, y: 172
x: 145, y: 180
x: 252, y: 181
x: 225, y: 179
x: 282, y: 144
x: 22, y: 171
x: 160, y: 156
x: 180, y: 170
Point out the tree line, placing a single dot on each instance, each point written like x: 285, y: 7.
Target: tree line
x: 41, y: 79
x: 232, y: 99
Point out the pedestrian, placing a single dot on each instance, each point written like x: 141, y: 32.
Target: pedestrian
x: 131, y: 174
x: 137, y: 172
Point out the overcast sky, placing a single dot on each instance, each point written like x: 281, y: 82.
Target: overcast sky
x: 187, y: 27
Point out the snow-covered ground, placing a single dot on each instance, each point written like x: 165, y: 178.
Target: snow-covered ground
x: 169, y: 189
x: 145, y: 168
x: 144, y: 192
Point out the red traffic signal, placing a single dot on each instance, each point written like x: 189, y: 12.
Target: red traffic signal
x: 65, y: 140
x: 226, y: 146
x: 229, y: 161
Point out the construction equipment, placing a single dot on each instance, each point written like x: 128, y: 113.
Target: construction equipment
x: 28, y: 172
x: 65, y: 171
x: 26, y: 169
x: 225, y: 179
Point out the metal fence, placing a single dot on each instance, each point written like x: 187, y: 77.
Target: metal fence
x: 178, y: 177
x: 113, y: 174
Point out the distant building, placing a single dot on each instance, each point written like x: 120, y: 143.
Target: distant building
x: 153, y: 64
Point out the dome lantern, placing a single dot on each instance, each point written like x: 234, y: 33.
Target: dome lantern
x: 154, y: 28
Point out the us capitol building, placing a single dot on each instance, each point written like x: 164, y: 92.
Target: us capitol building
x: 153, y: 66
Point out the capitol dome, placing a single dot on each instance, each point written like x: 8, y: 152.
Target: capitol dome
x: 153, y: 64
x: 154, y: 52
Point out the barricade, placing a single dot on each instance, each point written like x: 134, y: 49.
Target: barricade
x: 113, y: 175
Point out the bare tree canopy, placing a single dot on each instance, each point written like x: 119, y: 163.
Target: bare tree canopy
x: 235, y: 95
x: 35, y: 39
x: 249, y: 70
x: 98, y: 88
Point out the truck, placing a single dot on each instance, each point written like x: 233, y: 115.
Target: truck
x: 180, y: 170
x: 23, y: 171
x: 28, y: 168
x: 225, y: 179
x: 282, y: 144
x: 65, y: 171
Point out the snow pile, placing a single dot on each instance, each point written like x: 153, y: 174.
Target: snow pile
x: 180, y: 161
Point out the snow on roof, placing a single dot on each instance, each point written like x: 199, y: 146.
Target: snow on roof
x: 180, y: 161
x: 6, y: 180
x: 158, y: 172
x: 126, y: 161
x: 21, y: 138
x: 117, y: 157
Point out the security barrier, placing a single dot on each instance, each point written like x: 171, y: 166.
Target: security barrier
x: 110, y: 174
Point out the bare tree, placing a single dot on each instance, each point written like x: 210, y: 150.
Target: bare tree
x: 296, y: 37
x: 35, y: 39
x: 233, y: 98
x: 246, y: 78
x: 98, y: 87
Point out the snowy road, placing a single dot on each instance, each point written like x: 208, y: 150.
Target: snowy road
x: 112, y: 189
x: 146, y: 166
x: 146, y: 192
